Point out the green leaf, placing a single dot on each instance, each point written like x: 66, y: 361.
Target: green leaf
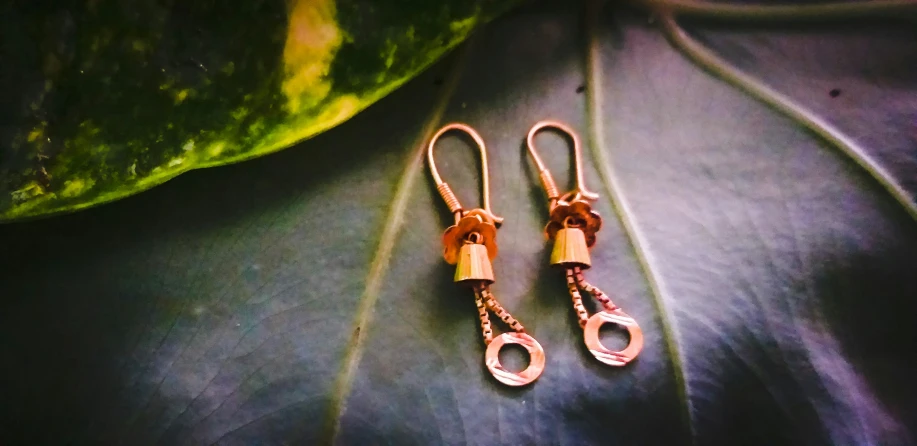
x: 110, y: 98
x: 764, y: 238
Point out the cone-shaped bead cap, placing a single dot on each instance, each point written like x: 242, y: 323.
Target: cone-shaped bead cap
x: 474, y: 264
x: 570, y: 249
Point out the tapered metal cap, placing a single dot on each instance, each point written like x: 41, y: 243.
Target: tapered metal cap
x: 570, y: 249
x: 474, y: 264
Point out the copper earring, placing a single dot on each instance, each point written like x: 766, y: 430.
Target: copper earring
x: 471, y: 245
x: 573, y: 226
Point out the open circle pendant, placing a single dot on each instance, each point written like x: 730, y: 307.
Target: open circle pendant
x: 536, y: 359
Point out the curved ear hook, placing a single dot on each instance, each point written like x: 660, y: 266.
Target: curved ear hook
x: 448, y: 196
x: 546, y: 179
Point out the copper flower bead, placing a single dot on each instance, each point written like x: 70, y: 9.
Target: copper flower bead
x: 457, y: 234
x: 580, y: 213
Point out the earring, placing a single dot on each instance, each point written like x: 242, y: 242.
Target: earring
x: 573, y: 225
x: 471, y: 244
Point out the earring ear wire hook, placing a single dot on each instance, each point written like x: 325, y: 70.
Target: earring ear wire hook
x: 547, y: 180
x: 444, y: 190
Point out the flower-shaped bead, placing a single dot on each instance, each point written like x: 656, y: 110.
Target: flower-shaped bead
x: 461, y: 232
x: 580, y: 213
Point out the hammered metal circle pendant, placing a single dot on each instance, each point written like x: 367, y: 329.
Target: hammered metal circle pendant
x: 594, y: 343
x: 536, y: 359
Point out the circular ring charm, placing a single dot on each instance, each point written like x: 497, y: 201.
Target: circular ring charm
x: 605, y: 355
x: 536, y: 359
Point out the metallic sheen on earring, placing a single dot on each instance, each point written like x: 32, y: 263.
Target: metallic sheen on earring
x: 471, y: 244
x: 573, y: 226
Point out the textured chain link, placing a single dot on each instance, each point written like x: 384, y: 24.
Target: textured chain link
x: 486, y: 330
x: 581, y: 312
x: 593, y: 290
x: 501, y: 312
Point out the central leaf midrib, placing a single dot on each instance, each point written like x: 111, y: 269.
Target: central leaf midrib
x: 382, y: 256
x: 594, y: 119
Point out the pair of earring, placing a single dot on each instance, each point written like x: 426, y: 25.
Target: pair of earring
x: 471, y: 245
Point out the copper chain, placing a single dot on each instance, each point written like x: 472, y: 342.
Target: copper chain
x: 501, y: 312
x: 581, y: 313
x: 485, y: 319
x: 593, y: 290
x: 484, y: 300
x: 575, y: 280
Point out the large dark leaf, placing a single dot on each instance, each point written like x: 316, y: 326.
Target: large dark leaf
x: 301, y: 298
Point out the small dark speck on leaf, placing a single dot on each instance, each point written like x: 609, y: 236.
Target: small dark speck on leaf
x: 834, y: 93
x: 581, y: 89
